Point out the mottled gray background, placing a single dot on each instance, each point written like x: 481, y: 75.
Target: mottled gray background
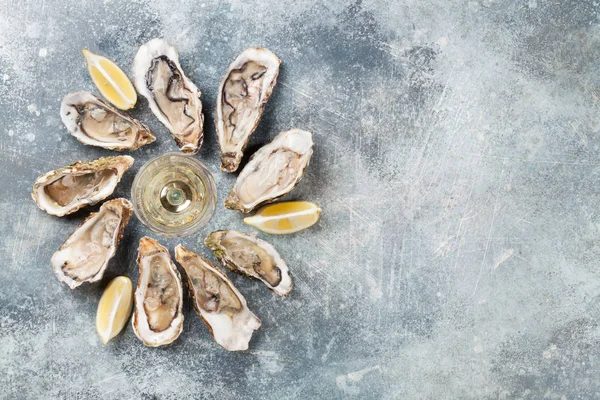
x: 456, y: 162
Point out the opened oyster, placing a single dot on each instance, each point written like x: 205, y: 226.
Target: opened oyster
x: 221, y: 306
x: 243, y: 93
x: 158, y: 318
x: 273, y: 171
x: 83, y: 257
x: 173, y: 98
x: 94, y: 122
x: 251, y: 256
x: 68, y: 189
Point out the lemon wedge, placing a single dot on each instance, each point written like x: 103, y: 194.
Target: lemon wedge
x: 286, y: 217
x: 114, y: 308
x: 111, y: 81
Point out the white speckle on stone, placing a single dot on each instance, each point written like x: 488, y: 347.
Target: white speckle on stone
x: 11, y: 133
x: 32, y: 108
x: 374, y: 290
x: 202, y: 5
x: 51, y: 121
x: 5, y: 78
x: 269, y: 361
x: 532, y: 4
x: 43, y: 52
x: 342, y: 384
x: 444, y: 248
x: 478, y: 348
x: 348, y: 383
x: 30, y: 137
x: 550, y: 351
x: 442, y: 42
x: 33, y: 30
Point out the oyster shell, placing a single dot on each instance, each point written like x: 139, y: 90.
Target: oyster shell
x: 96, y: 123
x: 173, y: 98
x: 84, y: 256
x: 251, y: 256
x: 273, y: 171
x: 158, y: 317
x: 244, y: 91
x: 221, y: 306
x: 66, y: 190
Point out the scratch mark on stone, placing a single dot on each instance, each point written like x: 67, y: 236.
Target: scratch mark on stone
x: 328, y: 347
x: 111, y: 378
x: 505, y: 255
x: 321, y: 270
x: 490, y: 231
x: 581, y: 136
x: 553, y: 162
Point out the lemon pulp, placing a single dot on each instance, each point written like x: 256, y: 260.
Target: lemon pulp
x: 111, y: 81
x: 286, y: 217
x: 114, y: 308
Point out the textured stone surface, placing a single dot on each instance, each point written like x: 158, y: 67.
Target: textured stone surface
x: 456, y: 162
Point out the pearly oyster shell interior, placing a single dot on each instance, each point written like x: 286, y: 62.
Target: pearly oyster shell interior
x: 248, y: 255
x: 273, y: 171
x: 84, y: 256
x: 68, y: 189
x: 244, y: 91
x: 173, y: 98
x: 93, y: 122
x: 158, y: 317
x: 219, y: 303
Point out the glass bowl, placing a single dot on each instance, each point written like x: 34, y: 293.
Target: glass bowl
x: 174, y: 195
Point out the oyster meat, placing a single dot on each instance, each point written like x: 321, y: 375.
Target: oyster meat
x: 221, y: 306
x: 244, y: 91
x: 84, y: 256
x: 96, y: 123
x: 66, y: 190
x: 158, y: 317
x: 273, y: 171
x: 251, y: 256
x: 173, y: 98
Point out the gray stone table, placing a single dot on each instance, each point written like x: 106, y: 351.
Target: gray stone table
x: 456, y: 162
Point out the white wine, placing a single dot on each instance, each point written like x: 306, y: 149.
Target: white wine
x: 174, y: 195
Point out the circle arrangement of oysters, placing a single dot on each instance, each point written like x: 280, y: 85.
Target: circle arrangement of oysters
x: 273, y: 171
